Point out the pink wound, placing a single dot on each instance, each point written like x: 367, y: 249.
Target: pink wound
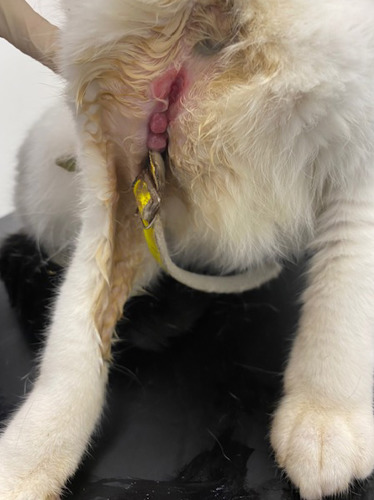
x: 169, y: 89
x: 160, y: 88
x: 157, y: 142
x: 158, y: 123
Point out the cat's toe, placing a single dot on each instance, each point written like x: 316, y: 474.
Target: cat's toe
x: 322, y: 448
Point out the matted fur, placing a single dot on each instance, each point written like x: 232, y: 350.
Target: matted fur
x: 271, y: 155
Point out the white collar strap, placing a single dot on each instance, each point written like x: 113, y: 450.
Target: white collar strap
x: 148, y: 188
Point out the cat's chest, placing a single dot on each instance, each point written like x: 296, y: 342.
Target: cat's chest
x: 231, y: 235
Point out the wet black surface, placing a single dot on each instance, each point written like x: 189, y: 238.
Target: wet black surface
x: 186, y: 419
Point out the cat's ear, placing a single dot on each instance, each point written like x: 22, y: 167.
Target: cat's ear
x: 29, y: 32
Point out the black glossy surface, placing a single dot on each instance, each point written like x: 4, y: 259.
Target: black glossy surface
x: 188, y: 421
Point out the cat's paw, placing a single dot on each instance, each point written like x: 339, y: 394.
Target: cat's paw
x: 36, y: 485
x: 322, y: 449
x: 26, y: 489
x: 31, y: 466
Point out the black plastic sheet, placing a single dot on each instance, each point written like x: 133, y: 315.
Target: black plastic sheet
x: 192, y: 388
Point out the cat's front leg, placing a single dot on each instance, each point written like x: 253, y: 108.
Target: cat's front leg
x: 323, y: 430
x: 45, y: 439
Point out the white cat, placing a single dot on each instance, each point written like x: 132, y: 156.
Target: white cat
x: 266, y: 108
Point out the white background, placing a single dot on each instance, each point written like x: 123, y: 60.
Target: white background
x: 26, y: 89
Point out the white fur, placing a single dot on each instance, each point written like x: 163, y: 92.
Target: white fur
x: 266, y: 166
x: 41, y: 206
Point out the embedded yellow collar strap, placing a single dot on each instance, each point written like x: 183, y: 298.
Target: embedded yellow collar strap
x: 147, y: 191
x: 148, y: 188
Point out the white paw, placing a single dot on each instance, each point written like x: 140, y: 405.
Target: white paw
x: 41, y: 448
x: 16, y: 485
x: 23, y: 490
x: 322, y: 449
x: 33, y: 465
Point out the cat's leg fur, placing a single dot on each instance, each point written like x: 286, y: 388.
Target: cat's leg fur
x: 323, y: 431
x: 46, y: 438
